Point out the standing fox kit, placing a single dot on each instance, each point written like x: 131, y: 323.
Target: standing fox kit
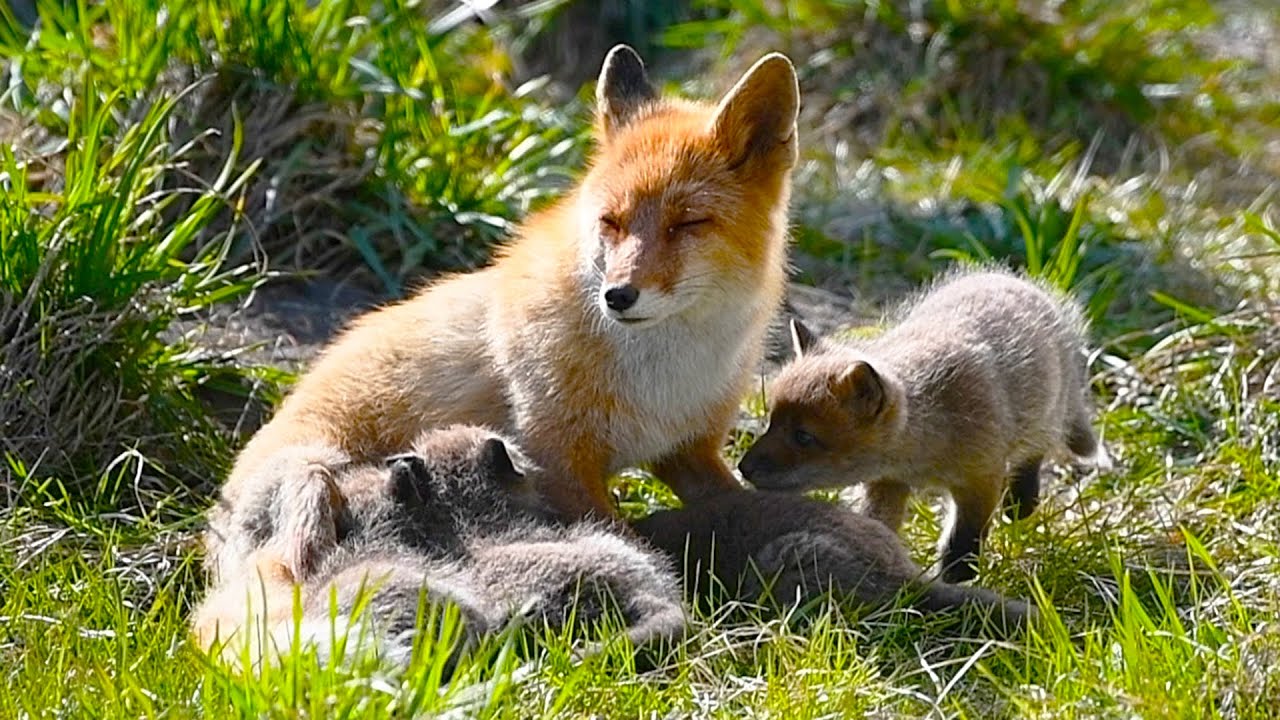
x: 619, y: 326
x: 980, y: 379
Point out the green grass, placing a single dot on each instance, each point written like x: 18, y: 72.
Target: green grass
x: 1161, y: 576
x: 92, y: 274
x: 154, y: 155
x: 376, y: 137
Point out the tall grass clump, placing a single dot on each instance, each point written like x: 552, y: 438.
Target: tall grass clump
x: 93, y: 271
x: 380, y: 133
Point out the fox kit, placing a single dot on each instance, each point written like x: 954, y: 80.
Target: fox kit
x: 470, y: 498
x: 981, y: 378
x: 364, y: 591
x: 455, y: 519
x: 791, y: 548
x: 619, y: 326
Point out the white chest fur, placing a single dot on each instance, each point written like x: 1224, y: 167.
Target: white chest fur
x: 673, y: 375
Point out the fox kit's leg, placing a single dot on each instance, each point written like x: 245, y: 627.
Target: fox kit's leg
x: 971, y: 507
x: 1024, y: 489
x: 1083, y: 441
x: 886, y: 501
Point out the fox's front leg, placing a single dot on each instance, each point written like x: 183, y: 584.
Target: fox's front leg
x: 572, y: 475
x: 697, y: 469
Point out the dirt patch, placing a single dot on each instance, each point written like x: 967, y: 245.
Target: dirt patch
x: 284, y: 324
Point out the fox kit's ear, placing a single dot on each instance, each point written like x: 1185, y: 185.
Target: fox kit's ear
x: 862, y: 390
x: 496, y: 462
x: 757, y: 118
x: 623, y: 88
x: 802, y: 338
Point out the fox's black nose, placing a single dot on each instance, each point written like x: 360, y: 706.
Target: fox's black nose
x: 751, y: 465
x: 621, y: 297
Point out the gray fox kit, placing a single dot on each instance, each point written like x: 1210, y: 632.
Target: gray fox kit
x: 791, y: 548
x: 455, y: 519
x: 980, y: 379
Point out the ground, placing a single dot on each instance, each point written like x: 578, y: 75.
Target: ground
x: 198, y: 193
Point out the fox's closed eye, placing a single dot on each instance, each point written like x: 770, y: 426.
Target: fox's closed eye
x: 688, y: 225
x: 610, y: 223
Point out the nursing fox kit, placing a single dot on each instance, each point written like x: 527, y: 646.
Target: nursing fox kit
x: 978, y: 380
x: 454, y: 519
x: 789, y: 549
x: 619, y: 326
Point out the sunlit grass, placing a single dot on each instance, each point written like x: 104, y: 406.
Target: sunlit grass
x: 402, y: 144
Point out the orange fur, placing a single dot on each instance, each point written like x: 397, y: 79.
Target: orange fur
x: 685, y: 201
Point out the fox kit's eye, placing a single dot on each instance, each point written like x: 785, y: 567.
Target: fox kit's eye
x: 803, y: 438
x: 609, y: 223
x: 685, y: 226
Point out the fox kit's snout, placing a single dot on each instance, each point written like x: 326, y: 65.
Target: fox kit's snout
x: 827, y: 423
x: 980, y: 379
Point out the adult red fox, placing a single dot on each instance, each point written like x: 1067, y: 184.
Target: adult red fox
x: 621, y: 325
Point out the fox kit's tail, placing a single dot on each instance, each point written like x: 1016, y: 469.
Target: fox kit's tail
x: 308, y: 530
x: 1084, y: 444
x: 1007, y: 616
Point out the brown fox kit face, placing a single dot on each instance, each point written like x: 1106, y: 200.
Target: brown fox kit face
x: 678, y: 203
x: 830, y: 417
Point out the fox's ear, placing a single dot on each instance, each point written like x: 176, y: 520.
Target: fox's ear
x: 623, y: 88
x: 803, y: 340
x: 757, y: 118
x: 495, y: 461
x: 862, y: 390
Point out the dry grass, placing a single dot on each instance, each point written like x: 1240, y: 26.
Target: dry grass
x: 312, y: 157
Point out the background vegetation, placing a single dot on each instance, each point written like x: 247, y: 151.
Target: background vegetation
x: 173, y: 170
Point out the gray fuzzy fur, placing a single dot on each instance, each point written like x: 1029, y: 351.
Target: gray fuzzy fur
x: 444, y: 523
x: 976, y: 380
x: 789, y: 549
